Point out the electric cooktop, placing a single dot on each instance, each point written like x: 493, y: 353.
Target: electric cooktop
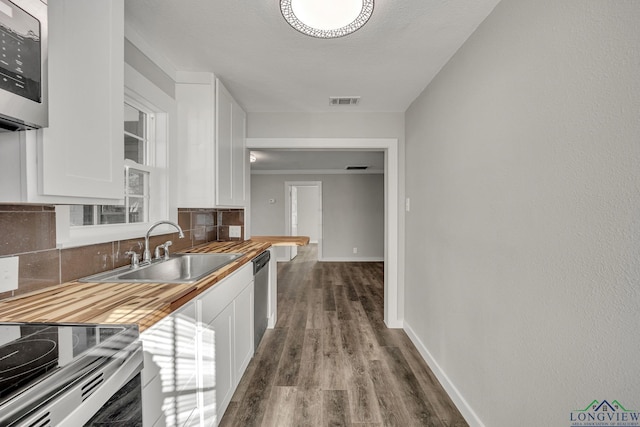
x: 37, y: 356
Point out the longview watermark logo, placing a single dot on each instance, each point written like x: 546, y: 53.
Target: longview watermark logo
x: 598, y: 414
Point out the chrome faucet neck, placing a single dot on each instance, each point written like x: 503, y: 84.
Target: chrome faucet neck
x: 146, y: 256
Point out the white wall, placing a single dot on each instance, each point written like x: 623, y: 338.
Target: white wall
x: 353, y: 212
x: 326, y: 125
x: 522, y: 244
x: 308, y: 217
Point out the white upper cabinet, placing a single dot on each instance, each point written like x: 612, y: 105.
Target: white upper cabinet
x: 239, y: 155
x: 230, y: 149
x: 79, y: 157
x: 212, y: 144
x: 83, y: 147
x: 196, y: 152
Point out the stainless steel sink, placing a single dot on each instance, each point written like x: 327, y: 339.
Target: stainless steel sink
x: 180, y: 268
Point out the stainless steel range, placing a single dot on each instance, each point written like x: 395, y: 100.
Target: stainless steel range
x: 69, y: 374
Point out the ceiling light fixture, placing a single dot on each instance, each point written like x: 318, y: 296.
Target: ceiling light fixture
x: 326, y: 19
x: 252, y: 158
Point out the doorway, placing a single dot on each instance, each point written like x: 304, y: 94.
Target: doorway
x: 304, y: 213
x: 393, y: 274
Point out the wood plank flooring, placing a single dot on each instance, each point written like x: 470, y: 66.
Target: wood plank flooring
x: 331, y: 361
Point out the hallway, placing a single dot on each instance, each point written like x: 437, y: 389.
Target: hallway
x: 331, y: 361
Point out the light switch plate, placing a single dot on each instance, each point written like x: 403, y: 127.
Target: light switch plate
x: 9, y: 273
x: 234, y: 231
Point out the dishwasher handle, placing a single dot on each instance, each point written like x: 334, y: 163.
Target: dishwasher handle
x: 261, y: 261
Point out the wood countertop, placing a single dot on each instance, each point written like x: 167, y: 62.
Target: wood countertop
x: 141, y: 303
x: 283, y: 240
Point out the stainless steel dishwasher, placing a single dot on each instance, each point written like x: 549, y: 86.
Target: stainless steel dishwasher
x: 260, y: 295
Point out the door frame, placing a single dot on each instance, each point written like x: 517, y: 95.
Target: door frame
x: 393, y: 277
x: 287, y: 186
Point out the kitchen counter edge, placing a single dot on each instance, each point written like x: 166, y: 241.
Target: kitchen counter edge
x: 113, y: 303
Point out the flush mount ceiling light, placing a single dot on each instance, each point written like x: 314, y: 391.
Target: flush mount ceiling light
x: 326, y: 19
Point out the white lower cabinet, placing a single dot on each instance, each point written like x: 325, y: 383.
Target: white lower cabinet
x: 226, y: 311
x: 243, y: 344
x: 195, y: 357
x: 220, y: 385
x: 169, y: 376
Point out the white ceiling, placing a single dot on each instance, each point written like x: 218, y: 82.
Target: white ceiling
x: 269, y: 67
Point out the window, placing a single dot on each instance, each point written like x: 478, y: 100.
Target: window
x: 136, y: 134
x: 138, y: 152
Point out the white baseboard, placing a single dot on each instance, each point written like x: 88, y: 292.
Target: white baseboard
x: 271, y: 322
x: 339, y: 259
x: 350, y: 259
x: 395, y: 324
x: 465, y: 409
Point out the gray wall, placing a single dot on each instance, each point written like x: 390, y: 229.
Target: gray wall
x: 308, y: 217
x: 353, y: 212
x: 522, y: 245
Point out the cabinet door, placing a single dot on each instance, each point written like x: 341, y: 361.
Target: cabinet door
x: 170, y: 370
x: 273, y: 289
x: 243, y: 317
x: 238, y: 155
x: 196, y: 123
x: 224, y: 144
x: 222, y: 327
x: 209, y: 410
x: 81, y: 152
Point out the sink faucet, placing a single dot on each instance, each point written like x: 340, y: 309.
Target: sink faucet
x: 165, y: 248
x: 146, y: 256
x: 135, y: 258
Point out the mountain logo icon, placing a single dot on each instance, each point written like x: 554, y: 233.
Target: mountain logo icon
x: 599, y: 413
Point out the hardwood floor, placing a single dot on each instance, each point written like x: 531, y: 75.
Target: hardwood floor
x: 331, y: 361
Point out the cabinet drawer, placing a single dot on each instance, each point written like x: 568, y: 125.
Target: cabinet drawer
x: 173, y: 337
x: 214, y: 301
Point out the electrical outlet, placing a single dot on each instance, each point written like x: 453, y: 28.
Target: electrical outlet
x: 355, y: 250
x: 234, y: 231
x: 9, y: 273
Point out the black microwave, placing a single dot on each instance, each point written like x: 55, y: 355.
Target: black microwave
x: 23, y: 65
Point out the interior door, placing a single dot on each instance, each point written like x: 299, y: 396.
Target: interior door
x: 294, y: 218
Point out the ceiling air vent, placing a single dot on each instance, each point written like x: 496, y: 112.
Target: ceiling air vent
x: 357, y: 168
x: 344, y: 100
